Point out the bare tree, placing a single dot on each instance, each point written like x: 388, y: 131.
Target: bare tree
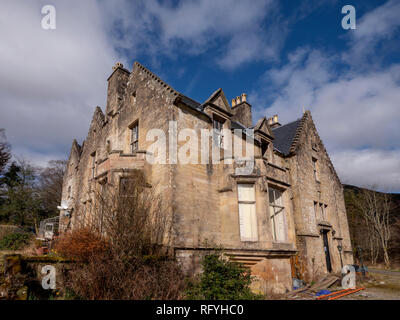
x: 375, y: 208
x: 50, y: 182
x: 135, y: 265
x: 5, y: 151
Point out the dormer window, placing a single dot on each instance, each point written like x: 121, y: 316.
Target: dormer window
x: 264, y: 148
x: 218, y: 137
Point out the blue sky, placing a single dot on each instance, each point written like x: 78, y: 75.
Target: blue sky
x: 286, y: 55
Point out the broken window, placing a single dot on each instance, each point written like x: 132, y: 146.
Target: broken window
x: 134, y: 137
x: 217, y: 132
x: 277, y: 215
x: 247, y: 212
x: 264, y: 148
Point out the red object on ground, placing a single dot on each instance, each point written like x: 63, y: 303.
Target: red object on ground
x: 346, y: 293
x: 332, y: 294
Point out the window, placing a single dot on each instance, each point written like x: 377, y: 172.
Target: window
x: 264, y: 148
x: 316, y: 207
x: 277, y: 215
x: 134, y: 138
x: 93, y: 155
x: 84, y: 212
x: 320, y: 211
x: 218, y: 137
x: 315, y: 169
x: 126, y: 186
x: 247, y: 212
x: 323, y: 211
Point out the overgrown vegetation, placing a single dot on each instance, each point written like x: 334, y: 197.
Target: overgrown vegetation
x: 15, y: 241
x: 221, y: 279
x: 120, y: 246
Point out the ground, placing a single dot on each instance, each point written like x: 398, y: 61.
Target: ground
x: 385, y: 287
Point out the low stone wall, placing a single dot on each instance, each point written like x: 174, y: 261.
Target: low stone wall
x: 21, y: 276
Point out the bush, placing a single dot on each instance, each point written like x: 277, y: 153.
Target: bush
x: 14, y: 241
x: 121, y: 247
x: 221, y: 280
x: 80, y: 244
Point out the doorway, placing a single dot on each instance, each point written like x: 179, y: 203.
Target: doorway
x: 326, y: 249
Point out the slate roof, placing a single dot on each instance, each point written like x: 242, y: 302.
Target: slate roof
x: 284, y: 136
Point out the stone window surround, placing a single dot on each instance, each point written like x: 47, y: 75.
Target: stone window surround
x: 285, y: 220
x: 315, y: 169
x: 93, y: 168
x: 134, y: 136
x: 251, y: 182
x: 221, y: 123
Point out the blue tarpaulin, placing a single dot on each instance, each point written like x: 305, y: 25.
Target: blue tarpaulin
x: 322, y: 292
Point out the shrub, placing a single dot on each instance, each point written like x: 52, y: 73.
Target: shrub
x: 122, y: 247
x: 221, y: 280
x: 80, y: 244
x: 14, y: 241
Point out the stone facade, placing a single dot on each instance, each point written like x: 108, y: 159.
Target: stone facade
x: 293, y: 185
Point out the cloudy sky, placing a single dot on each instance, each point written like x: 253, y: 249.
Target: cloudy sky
x: 287, y: 55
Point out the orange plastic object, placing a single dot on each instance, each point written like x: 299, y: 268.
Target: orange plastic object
x: 332, y: 294
x: 346, y: 293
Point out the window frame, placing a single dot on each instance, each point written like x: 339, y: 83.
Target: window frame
x: 253, y: 218
x: 218, y: 136
x: 134, y: 136
x: 273, y: 213
x: 93, y: 155
x: 315, y: 168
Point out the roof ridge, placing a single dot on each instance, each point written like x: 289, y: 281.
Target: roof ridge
x: 156, y: 77
x: 286, y: 124
x: 299, y: 129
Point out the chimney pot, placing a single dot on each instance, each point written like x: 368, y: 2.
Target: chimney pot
x: 244, y: 97
x: 118, y: 65
x: 233, y: 102
x: 275, y: 118
x: 237, y: 100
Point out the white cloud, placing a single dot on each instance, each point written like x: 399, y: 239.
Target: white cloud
x: 369, y: 168
x: 352, y: 111
x: 234, y: 30
x: 356, y: 110
x: 51, y: 80
x: 374, y: 31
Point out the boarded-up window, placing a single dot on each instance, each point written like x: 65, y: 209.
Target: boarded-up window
x: 247, y: 212
x: 277, y: 215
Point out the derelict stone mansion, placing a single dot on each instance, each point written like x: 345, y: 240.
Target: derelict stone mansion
x: 284, y: 220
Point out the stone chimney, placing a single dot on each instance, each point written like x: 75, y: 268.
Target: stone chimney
x: 116, y: 87
x: 241, y: 110
x: 273, y: 122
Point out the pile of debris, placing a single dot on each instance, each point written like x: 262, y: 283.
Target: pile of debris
x: 328, y: 287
